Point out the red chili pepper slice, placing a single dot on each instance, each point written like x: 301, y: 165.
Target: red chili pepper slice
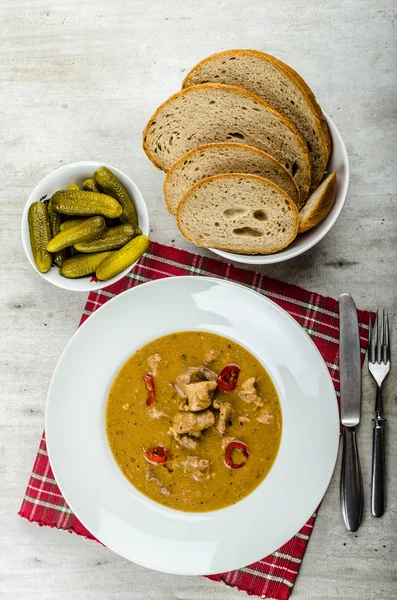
x: 156, y: 455
x: 227, y: 378
x: 148, y: 379
x: 228, y: 454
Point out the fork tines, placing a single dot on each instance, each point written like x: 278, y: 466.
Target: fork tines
x: 378, y: 339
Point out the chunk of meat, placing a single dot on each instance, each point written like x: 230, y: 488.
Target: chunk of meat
x: 154, y: 362
x: 208, y: 374
x: 200, y: 468
x: 225, y: 416
x: 184, y: 379
x: 193, y: 375
x: 264, y: 417
x: 184, y: 440
x: 192, y: 423
x: 248, y: 393
x: 199, y: 395
x: 188, y: 442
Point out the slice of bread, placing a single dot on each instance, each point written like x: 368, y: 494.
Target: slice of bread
x: 318, y: 204
x: 312, y: 98
x: 224, y: 157
x: 204, y: 114
x: 279, y: 85
x: 239, y: 213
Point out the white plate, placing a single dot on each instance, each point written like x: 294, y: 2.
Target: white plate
x: 60, y: 179
x: 103, y: 499
x: 339, y: 163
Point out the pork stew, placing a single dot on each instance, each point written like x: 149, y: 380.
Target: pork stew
x: 194, y: 421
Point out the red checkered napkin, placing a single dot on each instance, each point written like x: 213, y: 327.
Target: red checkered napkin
x: 274, y: 575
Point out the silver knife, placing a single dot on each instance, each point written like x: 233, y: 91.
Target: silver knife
x: 351, y: 484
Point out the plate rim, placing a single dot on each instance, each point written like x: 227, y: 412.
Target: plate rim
x: 218, y: 281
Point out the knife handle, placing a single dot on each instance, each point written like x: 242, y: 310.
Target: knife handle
x: 378, y: 469
x: 351, y: 484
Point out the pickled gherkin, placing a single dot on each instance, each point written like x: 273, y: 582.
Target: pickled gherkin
x: 87, y: 230
x: 90, y: 186
x: 85, y: 204
x: 40, y: 235
x: 71, y: 223
x: 55, y: 220
x: 83, y: 264
x: 109, y: 183
x: 113, y: 238
x: 55, y: 226
x: 123, y: 258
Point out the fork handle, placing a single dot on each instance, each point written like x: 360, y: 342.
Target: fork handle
x: 351, y: 483
x: 378, y: 468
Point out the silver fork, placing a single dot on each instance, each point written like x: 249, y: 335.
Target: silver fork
x: 379, y: 367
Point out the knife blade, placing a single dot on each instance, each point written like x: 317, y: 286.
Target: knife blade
x: 351, y: 485
x: 349, y: 362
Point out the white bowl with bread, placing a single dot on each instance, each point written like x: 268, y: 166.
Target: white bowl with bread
x: 255, y: 171
x: 337, y: 187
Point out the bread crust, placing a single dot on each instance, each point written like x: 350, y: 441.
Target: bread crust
x: 221, y: 145
x: 321, y: 208
x: 233, y: 176
x: 242, y: 92
x: 299, y: 82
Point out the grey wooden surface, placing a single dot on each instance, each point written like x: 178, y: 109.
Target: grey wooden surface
x: 79, y: 80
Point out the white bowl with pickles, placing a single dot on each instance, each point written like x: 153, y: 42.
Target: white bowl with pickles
x: 84, y: 226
